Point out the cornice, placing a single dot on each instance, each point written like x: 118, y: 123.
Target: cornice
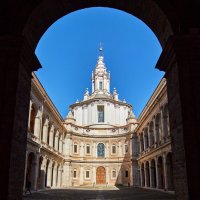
x: 100, y: 161
x: 158, y: 93
x: 98, y: 99
x: 40, y: 91
x: 97, y: 128
x: 155, y: 150
x: 101, y: 136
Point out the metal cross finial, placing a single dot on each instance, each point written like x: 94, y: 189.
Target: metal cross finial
x: 100, y: 48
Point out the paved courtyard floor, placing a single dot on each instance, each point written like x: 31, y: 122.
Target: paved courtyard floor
x: 99, y: 193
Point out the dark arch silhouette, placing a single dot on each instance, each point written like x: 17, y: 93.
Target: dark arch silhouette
x: 35, y: 27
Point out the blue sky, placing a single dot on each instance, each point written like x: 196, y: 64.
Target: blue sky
x: 68, y: 53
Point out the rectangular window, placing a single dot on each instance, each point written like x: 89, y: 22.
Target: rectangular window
x: 75, y: 148
x: 114, y: 174
x: 113, y: 149
x: 100, y: 85
x: 125, y: 148
x: 100, y: 110
x: 87, y: 149
x: 87, y: 174
x: 75, y: 174
x: 126, y: 173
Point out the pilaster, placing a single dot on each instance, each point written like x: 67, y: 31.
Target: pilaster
x: 49, y: 174
x: 51, y: 136
x: 25, y: 171
x: 54, y: 175
x: 144, y: 140
x: 66, y: 176
x: 154, y: 132
x: 37, y: 127
x: 81, y: 175
x: 150, y: 175
x: 45, y: 131
x: 43, y: 172
x: 163, y: 136
x: 36, y: 170
x: 165, y: 172
x: 157, y: 178
x: 59, y: 182
x: 94, y: 175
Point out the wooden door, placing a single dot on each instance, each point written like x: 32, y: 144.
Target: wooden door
x: 101, y: 175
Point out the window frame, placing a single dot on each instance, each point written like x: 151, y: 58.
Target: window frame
x: 100, y: 119
x: 114, y: 153
x: 75, y: 177
x: 75, y: 144
x: 126, y: 149
x: 100, y: 85
x: 104, y: 151
x: 88, y: 174
x: 114, y: 177
x: 126, y: 173
x: 86, y: 148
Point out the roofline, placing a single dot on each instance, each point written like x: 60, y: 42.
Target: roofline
x: 161, y: 85
x: 45, y: 96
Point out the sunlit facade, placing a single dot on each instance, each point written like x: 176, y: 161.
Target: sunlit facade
x: 100, y: 142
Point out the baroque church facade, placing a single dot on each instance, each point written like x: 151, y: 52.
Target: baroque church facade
x: 100, y: 142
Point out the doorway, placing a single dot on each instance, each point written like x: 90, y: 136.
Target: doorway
x: 100, y: 176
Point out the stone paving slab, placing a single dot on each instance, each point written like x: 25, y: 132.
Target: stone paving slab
x: 99, y: 194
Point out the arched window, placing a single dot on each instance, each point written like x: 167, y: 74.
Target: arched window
x: 101, y: 150
x: 32, y: 119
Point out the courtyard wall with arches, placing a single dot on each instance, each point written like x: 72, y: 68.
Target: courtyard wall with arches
x: 154, y: 142
x: 45, y: 141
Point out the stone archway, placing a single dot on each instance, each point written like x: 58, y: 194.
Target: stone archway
x: 100, y: 176
x: 31, y: 168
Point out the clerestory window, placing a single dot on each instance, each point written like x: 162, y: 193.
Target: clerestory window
x: 100, y: 85
x: 100, y: 110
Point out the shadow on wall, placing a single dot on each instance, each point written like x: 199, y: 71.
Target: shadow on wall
x: 124, y: 174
